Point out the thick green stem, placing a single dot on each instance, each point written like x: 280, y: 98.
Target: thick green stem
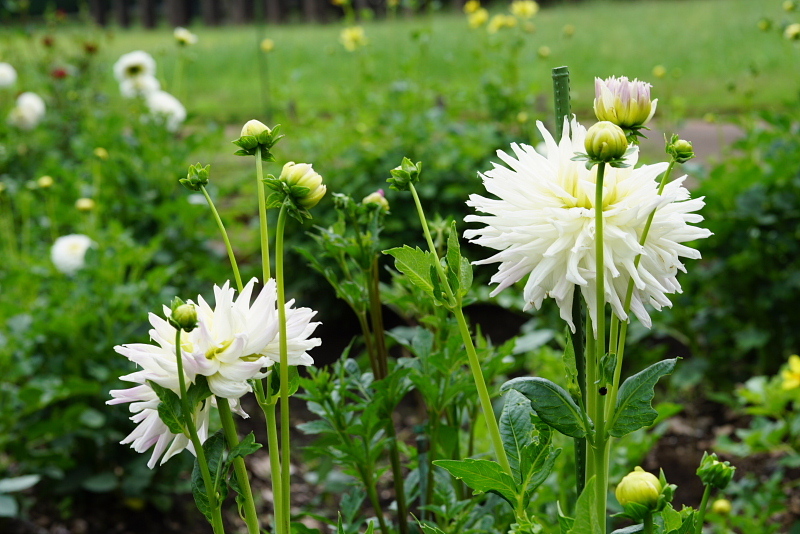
x: 472, y: 355
x: 701, y: 512
x: 229, y: 429
x: 648, y: 523
x: 211, y: 493
x: 262, y: 217
x: 274, y: 459
x: 227, y: 241
x: 284, y: 373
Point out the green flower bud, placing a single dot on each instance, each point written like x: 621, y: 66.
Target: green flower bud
x: 377, y: 198
x: 183, y: 316
x: 305, y: 184
x: 680, y: 149
x: 639, y: 487
x: 196, y: 178
x: 605, y: 141
x: 403, y: 175
x: 722, y: 507
x: 254, y: 128
x: 715, y: 473
x: 255, y: 135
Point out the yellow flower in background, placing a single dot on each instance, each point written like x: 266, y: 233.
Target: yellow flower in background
x: 792, y: 32
x: 478, y: 19
x: 100, y: 152
x: 471, y: 7
x: 569, y: 30
x: 85, y: 204
x: 544, y: 52
x: 339, y: 2
x: 267, y: 45
x: 501, y: 21
x: 524, y: 9
x: 791, y: 375
x: 764, y: 25
x: 789, y: 5
x: 45, y: 181
x: 392, y: 3
x: 721, y: 506
x: 659, y: 71
x: 184, y: 37
x: 353, y: 38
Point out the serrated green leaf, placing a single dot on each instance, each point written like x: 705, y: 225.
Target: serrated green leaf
x: 213, y: 448
x: 687, y: 527
x: 247, y: 446
x: 12, y: 484
x: 169, y: 409
x: 482, y: 476
x: 464, y: 276
x: 608, y: 363
x: 564, y: 521
x: 633, y: 410
x: 198, y: 392
x: 540, y: 459
x: 516, y: 430
x: 416, y: 264
x: 586, y: 520
x: 453, y: 250
x: 552, y: 404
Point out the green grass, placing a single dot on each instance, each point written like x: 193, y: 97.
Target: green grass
x: 708, y: 47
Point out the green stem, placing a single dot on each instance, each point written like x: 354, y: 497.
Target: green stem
x: 274, y: 457
x: 262, y: 217
x: 227, y: 241
x: 229, y: 429
x: 284, y: 372
x: 648, y: 523
x: 701, y: 512
x: 472, y: 355
x: 211, y: 492
x: 598, y: 414
x: 623, y: 332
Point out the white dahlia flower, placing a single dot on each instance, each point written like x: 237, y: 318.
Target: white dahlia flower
x: 543, y: 225
x: 233, y: 343
x: 68, y: 252
x: 134, y: 65
x: 166, y: 107
x: 28, y: 111
x: 8, y: 75
x: 184, y: 37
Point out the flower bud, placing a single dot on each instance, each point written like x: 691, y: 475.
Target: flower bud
x: 267, y: 45
x: 715, y: 473
x: 196, y: 178
x: 101, y: 153
x: 639, y: 487
x: 605, y: 141
x: 789, y: 5
x: 183, y: 315
x: 85, y: 204
x: 377, y: 198
x: 721, y: 506
x: 254, y: 128
x: 680, y: 149
x: 471, y: 6
x: 184, y: 37
x: 623, y: 102
x: 305, y: 182
x: 45, y: 181
x: 792, y: 32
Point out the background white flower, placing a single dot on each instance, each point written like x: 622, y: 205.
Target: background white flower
x: 139, y: 86
x: 164, y: 105
x: 184, y: 37
x: 543, y: 225
x: 133, y: 65
x: 8, y: 75
x: 28, y: 111
x: 68, y: 252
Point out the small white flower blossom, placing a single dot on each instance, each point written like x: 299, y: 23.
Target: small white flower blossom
x: 234, y: 342
x: 28, y: 112
x: 69, y: 251
x: 8, y: 75
x: 134, y: 65
x: 184, y: 37
x: 139, y: 86
x: 167, y: 107
x: 543, y: 225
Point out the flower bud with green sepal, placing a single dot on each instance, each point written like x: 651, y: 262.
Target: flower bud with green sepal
x: 255, y: 135
x: 299, y: 185
x: 183, y: 316
x: 404, y: 175
x: 715, y: 473
x: 641, y: 493
x: 625, y: 103
x: 196, y: 178
x: 605, y: 143
x: 377, y: 198
x: 680, y: 149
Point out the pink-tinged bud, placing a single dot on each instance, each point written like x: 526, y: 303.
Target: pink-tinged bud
x: 625, y: 103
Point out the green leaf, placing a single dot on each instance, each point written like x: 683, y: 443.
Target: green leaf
x: 516, y: 429
x: 198, y: 392
x: 416, y: 264
x: 586, y: 521
x: 552, y: 404
x: 429, y: 529
x: 169, y: 409
x: 482, y: 476
x: 629, y: 530
x: 565, y: 522
x: 633, y: 410
x: 687, y: 527
x: 571, y: 368
x: 464, y: 276
x: 8, y: 506
x: 213, y: 448
x: 608, y: 363
x: 101, y: 483
x: 247, y: 446
x: 539, y: 458
x: 10, y: 485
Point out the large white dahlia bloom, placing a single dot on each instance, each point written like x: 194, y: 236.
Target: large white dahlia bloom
x: 543, y: 225
x: 234, y: 342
